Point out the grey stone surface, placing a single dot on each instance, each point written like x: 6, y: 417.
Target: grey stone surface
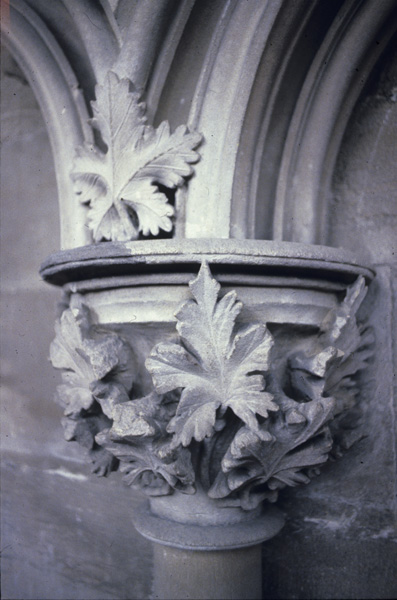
x: 211, y: 537
x: 287, y: 155
x: 306, y: 562
x: 63, y: 537
x: 27, y: 200
x: 227, y: 420
x: 207, y: 575
x: 364, y: 197
x: 58, y: 535
x: 268, y: 258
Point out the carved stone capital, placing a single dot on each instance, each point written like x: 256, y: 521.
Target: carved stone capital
x: 233, y: 410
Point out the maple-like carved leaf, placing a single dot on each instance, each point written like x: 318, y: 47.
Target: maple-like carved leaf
x: 96, y: 376
x: 150, y: 206
x: 86, y: 355
x: 217, y: 369
x: 120, y: 186
x: 139, y: 440
x: 152, y: 467
x: 329, y: 367
x: 297, y: 444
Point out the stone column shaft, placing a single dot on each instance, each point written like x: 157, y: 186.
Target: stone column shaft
x: 232, y: 574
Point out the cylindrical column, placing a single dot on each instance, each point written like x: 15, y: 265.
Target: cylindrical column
x: 231, y: 574
x: 211, y: 560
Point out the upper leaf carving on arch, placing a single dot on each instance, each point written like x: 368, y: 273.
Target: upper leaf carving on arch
x: 120, y: 186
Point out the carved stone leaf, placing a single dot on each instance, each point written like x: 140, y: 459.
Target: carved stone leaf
x: 149, y: 473
x: 196, y: 415
x: 109, y: 395
x: 295, y: 447
x: 164, y: 157
x: 205, y: 324
x: 88, y: 356
x: 156, y: 471
x: 329, y: 367
x: 120, y: 185
x: 73, y: 396
x: 102, y: 461
x: 138, y: 438
x: 216, y: 369
x: 107, y: 221
x: 141, y: 467
x: 150, y: 464
x: 118, y: 114
x: 150, y: 206
x: 145, y: 417
x: 340, y: 326
x: 322, y: 380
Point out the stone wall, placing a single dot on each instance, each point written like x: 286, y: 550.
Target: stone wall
x: 67, y: 534
x: 340, y: 540
x: 62, y: 535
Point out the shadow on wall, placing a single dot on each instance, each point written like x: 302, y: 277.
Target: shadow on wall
x: 363, y: 212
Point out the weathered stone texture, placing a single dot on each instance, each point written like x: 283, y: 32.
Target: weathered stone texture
x: 63, y: 538
x: 363, y: 210
x: 59, y: 537
x: 352, y: 507
x: 268, y: 88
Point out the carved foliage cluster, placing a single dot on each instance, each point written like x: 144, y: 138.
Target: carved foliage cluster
x: 121, y: 185
x: 218, y: 414
x: 216, y: 368
x: 139, y: 439
x: 317, y: 415
x: 96, y: 372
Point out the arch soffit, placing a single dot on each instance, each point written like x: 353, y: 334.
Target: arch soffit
x: 218, y: 109
x: 285, y: 165
x: 338, y: 74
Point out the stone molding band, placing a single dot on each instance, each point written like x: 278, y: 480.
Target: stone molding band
x: 208, y: 537
x: 114, y: 259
